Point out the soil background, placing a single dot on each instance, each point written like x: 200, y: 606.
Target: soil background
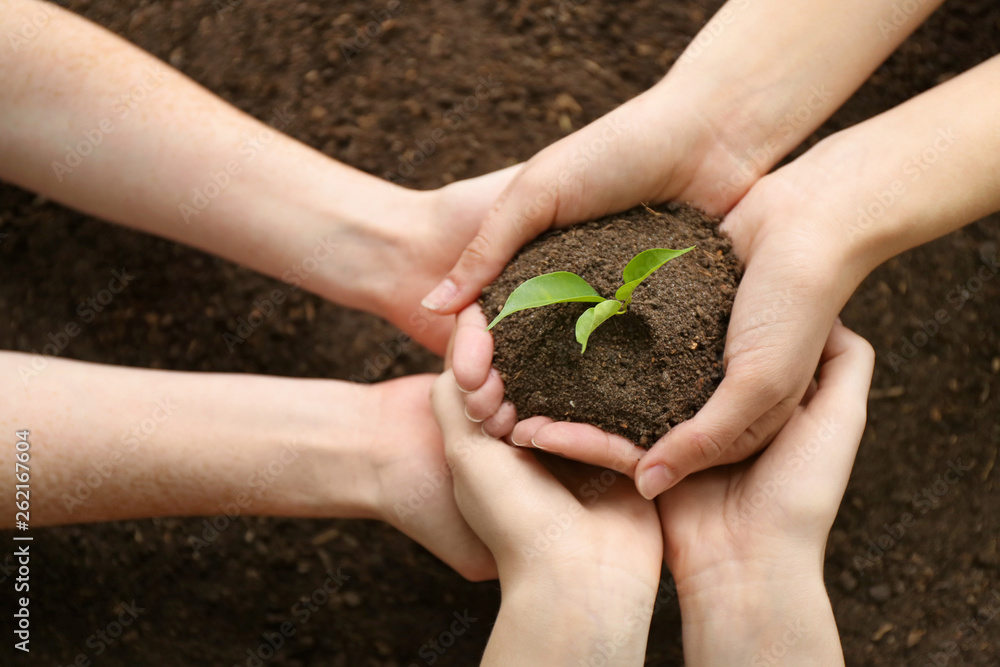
x: 922, y: 589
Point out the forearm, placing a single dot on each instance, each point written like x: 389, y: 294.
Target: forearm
x: 914, y: 173
x: 110, y: 443
x: 97, y: 124
x: 764, y: 74
x: 733, y: 616
x: 583, y: 620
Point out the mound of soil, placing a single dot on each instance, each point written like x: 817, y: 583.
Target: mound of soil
x: 644, y: 371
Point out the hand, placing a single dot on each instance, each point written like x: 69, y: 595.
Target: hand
x: 658, y: 146
x: 415, y: 486
x: 422, y: 235
x: 654, y: 148
x: 799, y: 273
x: 578, y: 550
x: 746, y: 543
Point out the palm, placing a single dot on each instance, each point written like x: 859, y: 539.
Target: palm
x: 709, y: 516
x: 439, y: 228
x: 417, y: 494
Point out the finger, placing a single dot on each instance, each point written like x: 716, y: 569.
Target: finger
x: 525, y: 430
x: 810, y: 392
x: 485, y: 401
x: 827, y: 435
x: 502, y: 423
x: 589, y: 444
x: 742, y: 398
x: 511, y: 223
x: 485, y: 469
x: 472, y: 349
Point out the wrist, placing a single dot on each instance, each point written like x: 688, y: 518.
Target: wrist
x: 739, y: 612
x: 302, y: 451
x: 318, y: 225
x: 575, y: 616
x: 732, y: 135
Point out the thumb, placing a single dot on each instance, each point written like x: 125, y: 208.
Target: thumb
x: 523, y: 211
x: 742, y: 415
x: 590, y: 173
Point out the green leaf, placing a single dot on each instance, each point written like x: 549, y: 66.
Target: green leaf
x: 544, y: 290
x: 641, y: 267
x: 593, y: 318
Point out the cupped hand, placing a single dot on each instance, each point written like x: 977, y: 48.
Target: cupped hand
x: 428, y: 234
x: 654, y: 148
x: 415, y: 484
x: 799, y: 274
x: 779, y: 507
x: 543, y: 517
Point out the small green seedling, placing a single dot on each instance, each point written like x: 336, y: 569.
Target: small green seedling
x: 566, y: 287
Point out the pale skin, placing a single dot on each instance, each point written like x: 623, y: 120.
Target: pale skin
x: 746, y: 542
x: 120, y: 443
x: 223, y: 430
x: 578, y: 551
x: 748, y: 565
x: 162, y: 141
x: 286, y: 204
x: 800, y: 230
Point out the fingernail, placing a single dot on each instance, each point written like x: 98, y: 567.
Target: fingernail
x: 516, y: 443
x: 654, y: 481
x: 537, y: 446
x: 483, y: 429
x: 441, y: 295
x: 478, y: 421
x: 465, y: 391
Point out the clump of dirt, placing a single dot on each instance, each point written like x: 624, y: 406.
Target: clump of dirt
x: 644, y: 371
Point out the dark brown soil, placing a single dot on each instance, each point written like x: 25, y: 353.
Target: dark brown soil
x: 913, y: 600
x: 644, y: 371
